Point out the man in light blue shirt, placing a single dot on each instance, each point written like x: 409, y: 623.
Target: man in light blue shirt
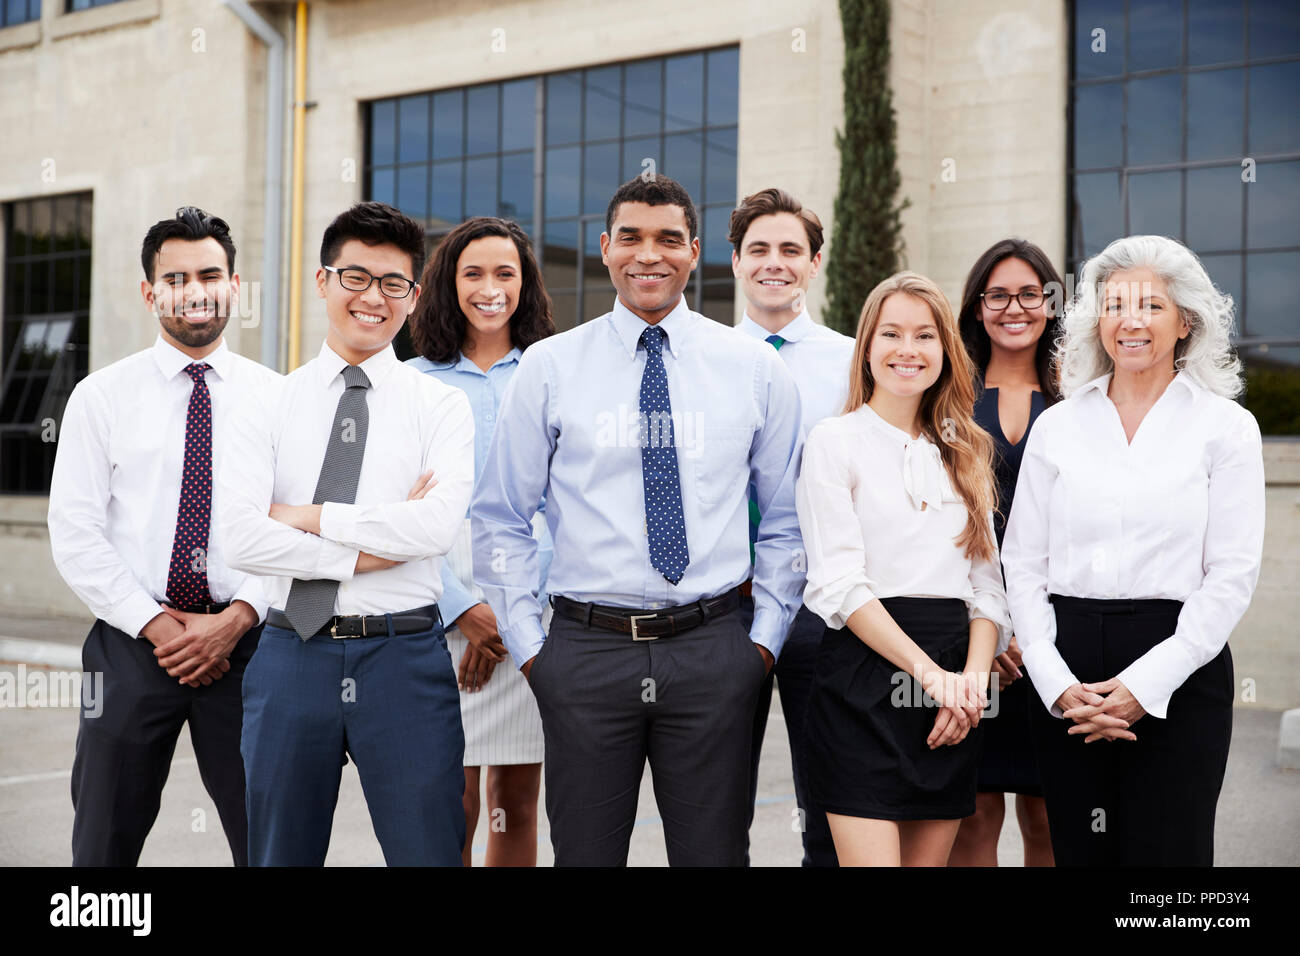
x: 644, y: 430
x: 776, y: 253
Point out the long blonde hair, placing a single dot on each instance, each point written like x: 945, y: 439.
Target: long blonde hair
x: 947, y: 411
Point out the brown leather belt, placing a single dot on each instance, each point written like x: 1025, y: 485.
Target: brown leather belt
x: 651, y: 623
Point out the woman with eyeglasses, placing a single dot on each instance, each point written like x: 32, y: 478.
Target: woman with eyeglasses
x: 1008, y: 323
x: 1132, y: 551
x: 483, y: 304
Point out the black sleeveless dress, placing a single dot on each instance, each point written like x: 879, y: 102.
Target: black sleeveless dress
x: 1008, y: 764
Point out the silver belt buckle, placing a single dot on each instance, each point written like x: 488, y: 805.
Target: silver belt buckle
x: 642, y: 617
x: 334, y: 630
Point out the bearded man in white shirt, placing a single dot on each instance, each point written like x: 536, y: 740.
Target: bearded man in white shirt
x: 330, y: 500
x: 131, y: 532
x: 776, y: 253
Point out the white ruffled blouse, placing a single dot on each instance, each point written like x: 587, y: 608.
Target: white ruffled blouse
x: 880, y: 519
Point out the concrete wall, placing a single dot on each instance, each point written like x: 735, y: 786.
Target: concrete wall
x: 980, y: 91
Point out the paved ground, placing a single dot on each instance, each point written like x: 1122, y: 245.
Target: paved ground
x: 1258, y: 824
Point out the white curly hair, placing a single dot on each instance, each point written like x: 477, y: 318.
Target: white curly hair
x: 1206, y: 355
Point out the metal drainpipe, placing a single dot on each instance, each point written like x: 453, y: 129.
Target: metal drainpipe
x: 274, y: 195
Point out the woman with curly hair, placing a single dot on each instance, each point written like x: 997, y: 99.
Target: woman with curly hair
x: 483, y: 304
x: 1132, y: 551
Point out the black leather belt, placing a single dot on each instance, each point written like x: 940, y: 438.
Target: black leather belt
x: 202, y: 608
x: 368, y: 625
x: 649, y: 624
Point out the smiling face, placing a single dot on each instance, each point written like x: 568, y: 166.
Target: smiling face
x: 650, y: 257
x: 774, y: 265
x: 1139, y: 324
x: 192, y: 293
x: 363, y: 323
x: 1016, y: 327
x: 489, y: 279
x: 905, y: 353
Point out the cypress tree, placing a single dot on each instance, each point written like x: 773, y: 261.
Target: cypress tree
x: 867, y: 241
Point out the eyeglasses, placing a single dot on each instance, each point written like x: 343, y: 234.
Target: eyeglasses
x: 999, y: 300
x: 359, y: 280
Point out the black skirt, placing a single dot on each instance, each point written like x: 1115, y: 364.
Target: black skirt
x: 864, y: 739
x: 1008, y: 764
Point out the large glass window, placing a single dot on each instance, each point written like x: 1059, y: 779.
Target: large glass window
x: 1184, y: 124
x: 46, y: 331
x: 549, y: 151
x: 19, y: 11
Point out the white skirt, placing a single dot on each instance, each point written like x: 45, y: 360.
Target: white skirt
x: 502, y: 725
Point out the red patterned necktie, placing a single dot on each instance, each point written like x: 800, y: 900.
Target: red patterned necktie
x: 187, y: 577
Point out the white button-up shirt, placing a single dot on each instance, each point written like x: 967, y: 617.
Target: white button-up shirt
x: 1176, y: 514
x: 819, y: 359
x: 860, y: 497
x: 116, y: 488
x: 416, y: 424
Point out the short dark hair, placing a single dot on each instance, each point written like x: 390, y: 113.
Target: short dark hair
x: 769, y: 202
x: 976, y: 337
x: 654, y: 190
x: 438, y: 326
x: 191, y: 224
x: 374, y: 223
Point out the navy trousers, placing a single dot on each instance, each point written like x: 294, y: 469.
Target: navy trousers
x: 390, y: 703
x: 794, y: 674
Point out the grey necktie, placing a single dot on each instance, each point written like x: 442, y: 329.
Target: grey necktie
x: 311, y: 603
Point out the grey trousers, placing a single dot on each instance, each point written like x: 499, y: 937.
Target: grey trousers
x: 685, y: 703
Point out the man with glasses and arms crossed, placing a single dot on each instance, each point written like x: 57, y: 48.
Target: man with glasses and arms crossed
x: 354, y: 661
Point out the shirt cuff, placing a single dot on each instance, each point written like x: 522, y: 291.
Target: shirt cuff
x: 338, y: 521
x: 1050, y: 674
x: 454, y: 603
x: 334, y: 561
x: 1154, y: 676
x: 995, y: 614
x: 251, y: 593
x: 767, y: 630
x: 131, y: 615
x: 859, y: 596
x: 524, y: 640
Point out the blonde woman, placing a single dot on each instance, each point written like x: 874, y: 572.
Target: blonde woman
x: 895, y: 501
x: 1132, y: 550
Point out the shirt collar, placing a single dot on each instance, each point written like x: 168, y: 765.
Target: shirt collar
x: 629, y: 326
x: 462, y: 363
x: 330, y: 365
x: 172, y: 361
x: 1102, y: 383
x: 794, y: 331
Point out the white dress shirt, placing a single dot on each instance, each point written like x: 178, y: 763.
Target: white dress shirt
x: 416, y: 424
x: 115, y: 492
x: 860, y: 495
x: 818, y: 358
x: 1177, y: 514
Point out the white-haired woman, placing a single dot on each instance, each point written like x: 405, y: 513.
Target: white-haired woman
x: 1132, y: 550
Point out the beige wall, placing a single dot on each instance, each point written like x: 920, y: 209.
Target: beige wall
x: 980, y: 91
x: 118, y: 100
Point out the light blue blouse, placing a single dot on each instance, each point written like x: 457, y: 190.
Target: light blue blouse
x: 485, y: 391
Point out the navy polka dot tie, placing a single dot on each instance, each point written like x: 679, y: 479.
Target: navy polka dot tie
x: 187, y: 577
x: 664, y: 521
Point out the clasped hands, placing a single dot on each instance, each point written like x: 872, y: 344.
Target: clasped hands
x: 1102, y: 710
x: 961, y: 699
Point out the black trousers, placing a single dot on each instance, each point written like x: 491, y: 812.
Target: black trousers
x: 794, y: 676
x: 609, y: 704
x: 1149, y: 802
x: 126, y: 739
